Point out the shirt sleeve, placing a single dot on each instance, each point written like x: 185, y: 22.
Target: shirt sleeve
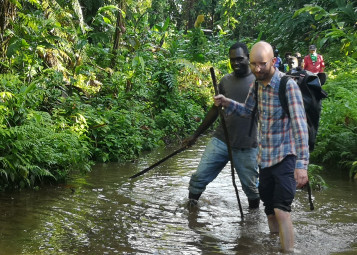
x: 243, y: 110
x: 322, y: 64
x: 299, y: 124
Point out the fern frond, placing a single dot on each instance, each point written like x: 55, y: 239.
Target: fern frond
x: 169, y: 79
x: 330, y: 155
x: 4, y: 173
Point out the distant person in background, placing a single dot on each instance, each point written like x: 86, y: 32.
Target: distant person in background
x: 300, y: 60
x: 294, y: 65
x: 286, y: 61
x: 278, y: 63
x: 314, y: 62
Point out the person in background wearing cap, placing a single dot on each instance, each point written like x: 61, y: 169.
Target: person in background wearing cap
x: 314, y: 62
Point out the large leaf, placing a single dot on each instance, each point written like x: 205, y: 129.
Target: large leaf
x: 16, y: 44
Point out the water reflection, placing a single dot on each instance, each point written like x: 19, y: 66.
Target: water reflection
x: 106, y: 213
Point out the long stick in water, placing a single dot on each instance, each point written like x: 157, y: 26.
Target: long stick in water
x: 158, y: 162
x: 214, y: 80
x: 310, y: 199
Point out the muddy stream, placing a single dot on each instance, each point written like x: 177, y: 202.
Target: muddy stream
x: 106, y: 213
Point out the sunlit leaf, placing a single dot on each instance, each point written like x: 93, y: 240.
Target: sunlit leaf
x: 106, y: 20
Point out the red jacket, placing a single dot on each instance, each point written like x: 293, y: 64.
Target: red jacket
x: 317, y: 67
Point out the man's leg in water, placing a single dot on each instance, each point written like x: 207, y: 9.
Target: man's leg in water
x: 277, y: 188
x: 245, y: 163
x: 213, y: 160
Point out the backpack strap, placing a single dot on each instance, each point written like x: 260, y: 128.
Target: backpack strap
x: 255, y: 109
x: 282, y: 96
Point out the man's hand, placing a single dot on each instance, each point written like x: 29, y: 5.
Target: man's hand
x: 301, y: 177
x: 221, y: 100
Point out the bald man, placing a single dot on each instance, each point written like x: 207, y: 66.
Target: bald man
x: 283, y: 141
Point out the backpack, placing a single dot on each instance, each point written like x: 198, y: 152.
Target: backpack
x: 312, y: 94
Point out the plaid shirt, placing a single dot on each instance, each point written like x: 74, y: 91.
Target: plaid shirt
x: 278, y: 136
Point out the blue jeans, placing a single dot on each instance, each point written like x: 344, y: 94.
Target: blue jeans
x: 214, y: 159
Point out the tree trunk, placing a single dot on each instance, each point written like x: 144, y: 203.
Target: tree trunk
x: 190, y: 13
x: 119, y: 31
x: 7, y: 14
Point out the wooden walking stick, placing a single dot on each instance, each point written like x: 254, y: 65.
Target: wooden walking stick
x: 158, y: 162
x: 310, y: 198
x: 216, y: 91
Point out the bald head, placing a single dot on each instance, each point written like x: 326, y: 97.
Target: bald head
x: 262, y: 50
x: 262, y: 62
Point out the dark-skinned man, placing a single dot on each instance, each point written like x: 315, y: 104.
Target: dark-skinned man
x: 283, y: 141
x: 244, y: 147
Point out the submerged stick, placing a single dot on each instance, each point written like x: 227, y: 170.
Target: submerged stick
x: 214, y: 80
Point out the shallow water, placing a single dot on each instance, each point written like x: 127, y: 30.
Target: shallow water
x: 106, y: 213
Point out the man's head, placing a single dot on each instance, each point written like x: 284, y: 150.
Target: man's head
x: 262, y: 62
x: 312, y: 49
x: 300, y: 59
x: 288, y: 55
x: 276, y: 53
x: 239, y: 59
x: 293, y: 62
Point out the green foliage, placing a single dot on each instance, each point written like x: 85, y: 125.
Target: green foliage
x: 36, y: 151
x: 157, y: 12
x: 16, y: 98
x: 337, y: 137
x: 333, y: 26
x: 103, y: 25
x: 67, y: 97
x: 315, y: 179
x: 197, y: 45
x: 124, y: 136
x: 171, y: 123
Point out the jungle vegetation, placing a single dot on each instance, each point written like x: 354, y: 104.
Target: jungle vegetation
x: 106, y: 80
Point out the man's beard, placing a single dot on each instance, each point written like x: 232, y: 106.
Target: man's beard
x: 241, y: 71
x: 261, y: 76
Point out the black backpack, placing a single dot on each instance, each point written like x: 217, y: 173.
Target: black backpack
x: 312, y: 94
